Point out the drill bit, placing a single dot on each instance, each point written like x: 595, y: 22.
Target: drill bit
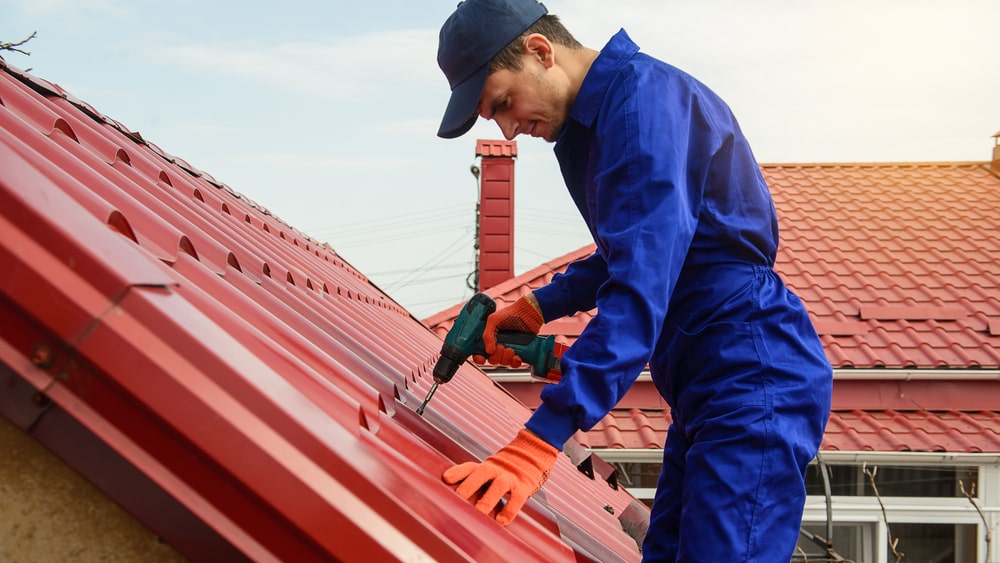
x: 420, y: 409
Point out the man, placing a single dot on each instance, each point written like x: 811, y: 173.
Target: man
x: 682, y: 279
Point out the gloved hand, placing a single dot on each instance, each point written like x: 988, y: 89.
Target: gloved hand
x: 524, y: 315
x: 519, y: 468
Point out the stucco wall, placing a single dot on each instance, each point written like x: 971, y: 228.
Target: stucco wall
x: 49, y: 513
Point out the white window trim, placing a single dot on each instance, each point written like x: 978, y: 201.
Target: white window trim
x: 937, y: 510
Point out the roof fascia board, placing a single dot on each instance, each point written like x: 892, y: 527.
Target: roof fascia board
x: 911, y: 374
x: 655, y: 455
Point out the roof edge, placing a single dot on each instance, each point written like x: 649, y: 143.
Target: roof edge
x: 875, y: 163
x: 508, y: 375
x: 655, y: 455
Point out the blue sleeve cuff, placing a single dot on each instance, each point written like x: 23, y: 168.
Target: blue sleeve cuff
x: 553, y: 426
x: 552, y: 302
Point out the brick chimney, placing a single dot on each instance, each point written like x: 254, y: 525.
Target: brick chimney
x: 496, y: 212
x: 995, y: 163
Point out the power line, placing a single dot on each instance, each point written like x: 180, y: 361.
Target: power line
x: 454, y: 265
x: 447, y: 252
x: 395, y: 222
x: 396, y: 237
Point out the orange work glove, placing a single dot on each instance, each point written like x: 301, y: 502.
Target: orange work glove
x: 524, y: 315
x: 520, y: 468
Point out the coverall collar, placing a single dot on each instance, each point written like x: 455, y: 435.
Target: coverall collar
x: 618, y: 51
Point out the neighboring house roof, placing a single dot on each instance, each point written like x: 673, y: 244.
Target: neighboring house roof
x: 234, y: 383
x: 898, y: 263
x: 898, y: 266
x: 889, y: 430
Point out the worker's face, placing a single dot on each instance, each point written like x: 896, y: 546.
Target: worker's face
x: 530, y: 101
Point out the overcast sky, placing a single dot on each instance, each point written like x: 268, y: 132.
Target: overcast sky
x: 325, y: 112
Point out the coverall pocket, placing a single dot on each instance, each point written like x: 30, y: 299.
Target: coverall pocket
x: 717, y: 366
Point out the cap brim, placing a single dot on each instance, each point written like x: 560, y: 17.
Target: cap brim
x: 460, y: 115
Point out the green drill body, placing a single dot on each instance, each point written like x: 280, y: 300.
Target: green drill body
x: 466, y: 339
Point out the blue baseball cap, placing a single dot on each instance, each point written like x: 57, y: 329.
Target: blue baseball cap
x: 472, y: 36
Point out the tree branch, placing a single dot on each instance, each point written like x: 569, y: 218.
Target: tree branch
x: 892, y: 542
x: 14, y: 46
x: 971, y: 495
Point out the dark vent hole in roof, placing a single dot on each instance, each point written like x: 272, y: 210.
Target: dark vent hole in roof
x: 290, y: 279
x: 187, y: 247
x: 118, y: 222
x: 198, y: 196
x: 232, y: 261
x: 225, y: 209
x: 121, y: 155
x: 163, y: 177
x: 267, y: 270
x: 63, y: 127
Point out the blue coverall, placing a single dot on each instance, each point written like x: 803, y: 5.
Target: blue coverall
x: 683, y: 281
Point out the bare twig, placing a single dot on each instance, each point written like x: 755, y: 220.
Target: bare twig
x: 14, y: 46
x: 971, y: 495
x: 892, y: 542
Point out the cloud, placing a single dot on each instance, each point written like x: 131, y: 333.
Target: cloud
x: 65, y: 8
x: 346, y: 69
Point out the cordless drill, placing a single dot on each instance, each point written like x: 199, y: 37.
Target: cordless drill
x: 466, y: 338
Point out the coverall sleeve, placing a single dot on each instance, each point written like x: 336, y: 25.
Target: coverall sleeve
x: 575, y: 290
x: 653, y: 141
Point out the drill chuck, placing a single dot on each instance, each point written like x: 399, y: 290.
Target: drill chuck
x: 447, y: 365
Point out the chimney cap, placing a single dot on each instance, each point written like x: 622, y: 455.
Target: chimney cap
x: 485, y: 147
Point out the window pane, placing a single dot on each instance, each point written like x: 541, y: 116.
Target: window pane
x: 935, y: 543
x: 923, y: 481
x: 851, y: 540
x: 845, y: 480
x: 892, y: 481
x: 638, y: 475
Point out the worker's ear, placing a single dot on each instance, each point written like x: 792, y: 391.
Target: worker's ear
x: 540, y: 48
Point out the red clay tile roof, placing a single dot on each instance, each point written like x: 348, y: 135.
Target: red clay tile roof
x: 848, y: 430
x: 257, y: 388
x: 897, y: 265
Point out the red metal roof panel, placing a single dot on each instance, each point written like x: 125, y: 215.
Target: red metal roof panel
x: 244, y: 368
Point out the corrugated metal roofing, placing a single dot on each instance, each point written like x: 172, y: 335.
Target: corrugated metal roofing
x: 241, y: 370
x: 897, y: 265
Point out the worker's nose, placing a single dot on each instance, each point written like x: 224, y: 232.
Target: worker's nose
x: 508, y: 127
